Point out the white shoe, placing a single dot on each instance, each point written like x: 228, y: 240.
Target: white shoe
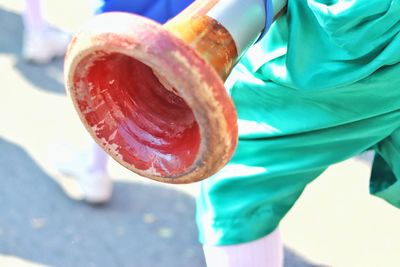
x: 43, y: 46
x: 94, y: 186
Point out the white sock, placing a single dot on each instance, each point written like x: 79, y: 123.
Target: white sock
x: 33, y: 19
x: 264, y: 252
x: 99, y: 159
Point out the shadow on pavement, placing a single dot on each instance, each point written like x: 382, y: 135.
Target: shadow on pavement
x: 48, y: 77
x: 142, y: 226
x: 294, y: 260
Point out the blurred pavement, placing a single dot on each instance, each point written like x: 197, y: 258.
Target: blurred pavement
x: 147, y: 224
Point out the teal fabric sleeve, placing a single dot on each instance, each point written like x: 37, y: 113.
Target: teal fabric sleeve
x: 323, y: 85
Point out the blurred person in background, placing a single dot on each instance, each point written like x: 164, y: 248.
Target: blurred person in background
x: 41, y: 43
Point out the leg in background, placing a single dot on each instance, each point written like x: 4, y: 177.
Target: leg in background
x: 95, y: 181
x: 264, y: 252
x: 33, y: 19
x: 41, y: 43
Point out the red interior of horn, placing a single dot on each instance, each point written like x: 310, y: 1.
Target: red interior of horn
x: 134, y: 116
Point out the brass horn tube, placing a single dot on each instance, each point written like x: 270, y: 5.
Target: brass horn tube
x: 153, y: 96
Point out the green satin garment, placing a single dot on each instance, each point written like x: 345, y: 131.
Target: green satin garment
x: 323, y: 85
